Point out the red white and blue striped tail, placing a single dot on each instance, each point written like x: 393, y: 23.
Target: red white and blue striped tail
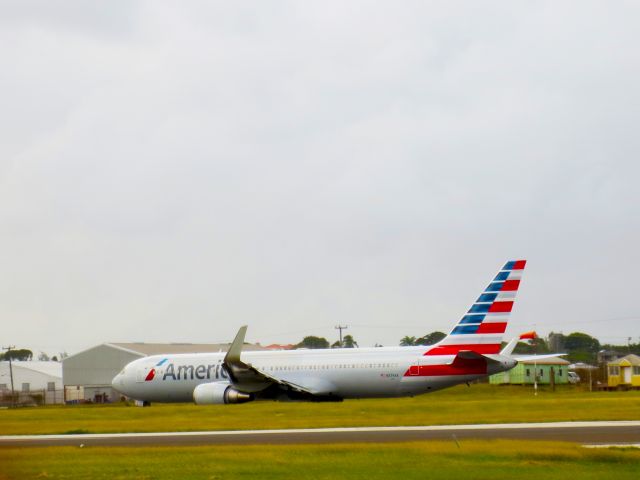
x: 482, y: 327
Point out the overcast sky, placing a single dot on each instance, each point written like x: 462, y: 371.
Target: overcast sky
x: 170, y: 171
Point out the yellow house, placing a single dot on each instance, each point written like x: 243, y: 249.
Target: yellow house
x: 624, y: 372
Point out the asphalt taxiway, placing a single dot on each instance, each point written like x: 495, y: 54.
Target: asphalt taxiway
x: 594, y: 433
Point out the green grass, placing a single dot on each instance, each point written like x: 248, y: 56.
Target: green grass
x: 495, y: 460
x: 458, y: 405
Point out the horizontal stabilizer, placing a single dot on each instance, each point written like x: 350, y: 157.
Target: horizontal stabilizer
x: 471, y: 355
x: 509, y: 347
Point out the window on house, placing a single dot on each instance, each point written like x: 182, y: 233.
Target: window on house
x: 528, y: 372
x: 613, y: 370
x: 636, y: 370
x: 51, y: 386
x: 25, y: 387
x: 541, y: 372
x: 3, y: 386
x: 559, y: 372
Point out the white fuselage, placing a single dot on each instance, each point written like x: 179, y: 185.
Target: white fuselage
x: 342, y: 373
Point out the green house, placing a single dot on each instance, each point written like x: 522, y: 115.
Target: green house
x: 523, y: 373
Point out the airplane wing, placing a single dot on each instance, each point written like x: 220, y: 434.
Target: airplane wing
x: 530, y: 358
x: 248, y: 378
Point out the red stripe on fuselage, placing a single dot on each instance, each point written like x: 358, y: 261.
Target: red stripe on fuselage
x: 497, y: 327
x: 460, y: 366
x: 453, y: 349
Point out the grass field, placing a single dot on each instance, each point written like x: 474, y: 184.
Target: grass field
x: 458, y: 405
x: 493, y: 460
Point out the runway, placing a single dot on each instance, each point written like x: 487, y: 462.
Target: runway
x: 594, y: 433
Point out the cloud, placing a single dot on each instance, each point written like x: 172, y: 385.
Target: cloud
x: 170, y: 172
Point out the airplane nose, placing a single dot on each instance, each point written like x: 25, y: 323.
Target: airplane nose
x: 117, y: 382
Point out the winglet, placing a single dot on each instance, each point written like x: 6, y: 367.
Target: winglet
x: 233, y: 355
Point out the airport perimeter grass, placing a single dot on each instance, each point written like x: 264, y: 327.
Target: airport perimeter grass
x: 458, y: 405
x: 495, y: 460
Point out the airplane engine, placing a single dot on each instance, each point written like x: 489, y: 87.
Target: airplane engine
x: 219, y: 393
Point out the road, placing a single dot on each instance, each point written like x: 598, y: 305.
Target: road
x: 627, y: 432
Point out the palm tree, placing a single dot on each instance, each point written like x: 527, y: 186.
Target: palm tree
x: 407, y: 341
x: 349, y: 342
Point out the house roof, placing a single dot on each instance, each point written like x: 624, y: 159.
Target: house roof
x: 161, y: 348
x: 631, y: 358
x: 546, y: 361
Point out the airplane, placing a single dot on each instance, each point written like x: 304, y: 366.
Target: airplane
x: 470, y: 351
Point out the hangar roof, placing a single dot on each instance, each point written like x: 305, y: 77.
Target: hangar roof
x: 160, y: 348
x: 53, y: 369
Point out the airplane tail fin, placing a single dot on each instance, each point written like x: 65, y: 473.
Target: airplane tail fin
x: 482, y: 327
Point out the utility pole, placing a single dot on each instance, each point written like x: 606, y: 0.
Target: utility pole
x: 535, y: 364
x: 341, y: 327
x: 8, y: 349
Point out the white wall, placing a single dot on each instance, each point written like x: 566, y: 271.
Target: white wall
x: 36, y: 374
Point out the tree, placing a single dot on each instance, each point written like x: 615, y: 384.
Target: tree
x: 349, y: 342
x: 407, y: 341
x: 532, y: 346
x: 313, y: 342
x: 581, y: 347
x: 43, y: 357
x: 22, y: 354
x: 430, y: 338
x: 581, y: 341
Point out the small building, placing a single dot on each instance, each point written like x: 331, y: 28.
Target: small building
x: 33, y: 382
x: 526, y: 372
x: 87, y: 375
x: 606, y: 356
x: 624, y: 372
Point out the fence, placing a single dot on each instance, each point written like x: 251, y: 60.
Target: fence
x: 34, y: 397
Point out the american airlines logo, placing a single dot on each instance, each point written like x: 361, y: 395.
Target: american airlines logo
x: 192, y: 372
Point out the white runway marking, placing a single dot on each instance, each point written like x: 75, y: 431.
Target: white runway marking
x: 432, y: 428
x: 613, y: 445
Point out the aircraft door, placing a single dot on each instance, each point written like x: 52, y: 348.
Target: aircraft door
x: 414, y: 369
